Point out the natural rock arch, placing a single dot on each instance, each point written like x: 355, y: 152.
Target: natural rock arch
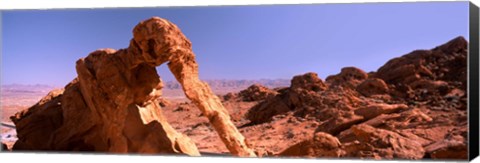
x: 112, y: 104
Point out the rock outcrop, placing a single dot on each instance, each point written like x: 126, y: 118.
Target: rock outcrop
x: 321, y: 145
x: 407, y: 109
x: 349, y: 77
x: 302, y: 92
x: 379, y: 143
x: 36, y: 124
x: 308, y: 81
x: 255, y: 92
x: 374, y: 110
x: 448, y: 149
x: 425, y: 73
x: 453, y: 146
x: 112, y: 106
x: 373, y: 86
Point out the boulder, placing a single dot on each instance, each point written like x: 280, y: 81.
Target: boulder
x: 403, y: 123
x: 448, y: 149
x: 341, y: 119
x: 264, y: 111
x: 256, y: 92
x: 378, y: 143
x: 320, y: 146
x: 453, y: 146
x: 340, y: 122
x: 308, y: 81
x: 373, y: 110
x: 349, y: 77
x: 373, y: 86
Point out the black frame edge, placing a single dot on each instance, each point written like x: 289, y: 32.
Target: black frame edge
x: 473, y: 105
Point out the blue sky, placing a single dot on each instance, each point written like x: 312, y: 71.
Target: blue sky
x: 233, y: 42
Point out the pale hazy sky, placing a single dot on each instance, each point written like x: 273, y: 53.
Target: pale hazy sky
x: 233, y: 42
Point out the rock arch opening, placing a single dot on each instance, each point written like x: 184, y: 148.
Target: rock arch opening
x: 112, y: 104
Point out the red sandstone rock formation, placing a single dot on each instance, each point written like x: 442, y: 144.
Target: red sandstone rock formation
x: 424, y: 73
x: 308, y: 81
x: 255, y: 92
x: 112, y: 105
x: 36, y: 124
x: 407, y: 109
x: 373, y: 86
x: 379, y: 143
x: 321, y: 145
x: 453, y: 146
x: 349, y: 77
x: 302, y: 92
x: 413, y: 107
x: 374, y: 110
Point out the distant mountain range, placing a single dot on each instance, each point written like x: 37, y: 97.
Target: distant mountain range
x: 235, y: 84
x: 172, y: 85
x: 26, y: 88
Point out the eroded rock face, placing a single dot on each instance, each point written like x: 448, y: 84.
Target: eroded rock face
x: 256, y: 92
x: 35, y: 125
x: 453, y: 146
x: 373, y: 86
x: 112, y: 106
x: 448, y: 149
x: 349, y: 77
x: 263, y: 112
x: 321, y: 145
x: 302, y: 92
x: 379, y: 143
x: 407, y: 109
x: 308, y: 81
x: 374, y: 110
x: 424, y: 73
